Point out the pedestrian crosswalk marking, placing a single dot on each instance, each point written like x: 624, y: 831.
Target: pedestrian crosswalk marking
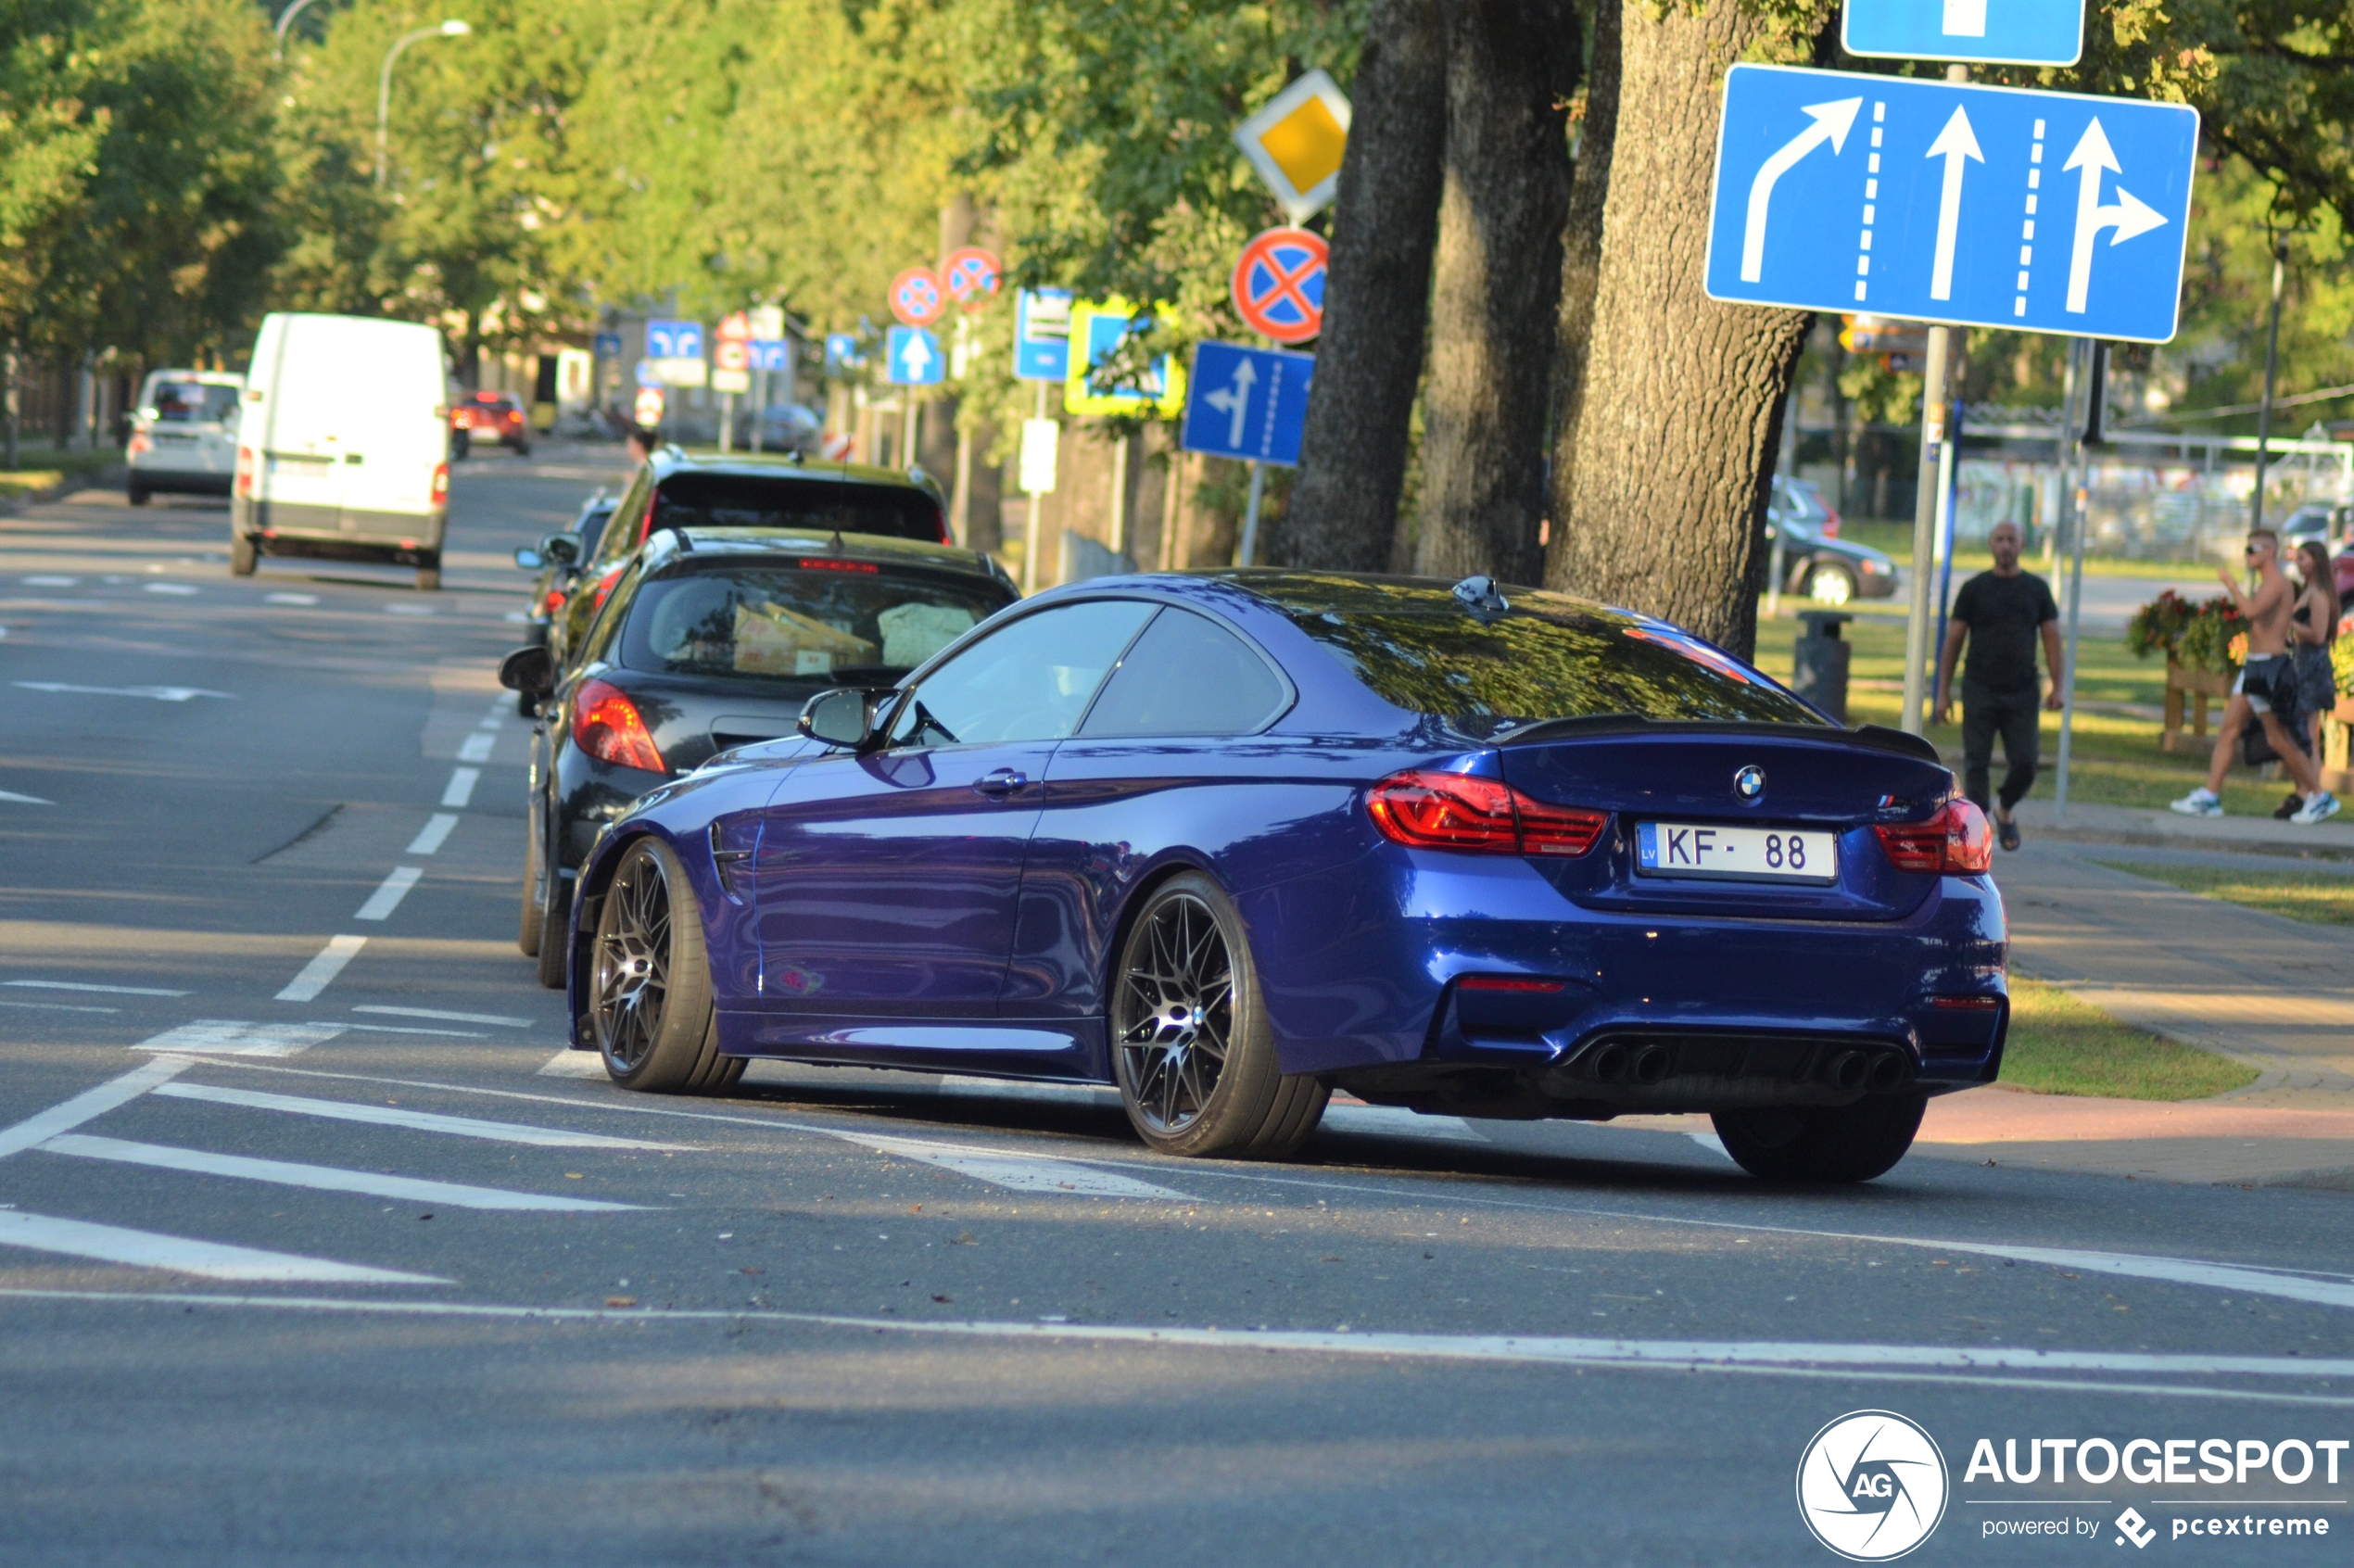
x: 235, y: 1037
x: 1020, y: 1173
x: 91, y: 1104
x: 216, y: 1260
x: 395, y: 1115
x: 320, y: 972
x: 453, y: 1018
x: 322, y: 1178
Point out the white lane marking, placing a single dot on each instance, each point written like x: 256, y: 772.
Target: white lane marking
x: 320, y: 1177
x: 57, y: 1007
x: 289, y: 598
x: 575, y: 1063
x: 514, y: 618
x: 46, y: 580
x: 1909, y: 1363
x: 408, y: 609
x: 1713, y: 1143
x: 11, y: 795
x: 422, y: 1121
x: 1396, y: 1121
x: 388, y: 893
x: 476, y: 748
x: 453, y: 1018
x: 67, y: 1115
x: 433, y: 834
x: 430, y: 1033
x: 461, y: 786
x: 1021, y: 1173
x: 78, y: 985
x: 168, y: 587
x: 2238, y: 1278
x: 157, y: 693
x: 234, y: 1037
x: 144, y: 1250
x: 320, y: 972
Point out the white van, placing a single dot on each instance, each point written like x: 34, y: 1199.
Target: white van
x: 344, y: 448
x: 183, y: 433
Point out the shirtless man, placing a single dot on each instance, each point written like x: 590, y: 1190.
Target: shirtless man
x: 2267, y: 684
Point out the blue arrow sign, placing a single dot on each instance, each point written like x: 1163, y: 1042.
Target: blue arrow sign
x: 843, y: 355
x: 1941, y: 202
x: 1247, y: 404
x: 608, y: 344
x: 674, y: 340
x: 1986, y: 31
x: 916, y: 359
x: 1042, y: 335
x: 770, y: 353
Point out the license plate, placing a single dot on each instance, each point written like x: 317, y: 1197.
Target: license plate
x: 1772, y: 854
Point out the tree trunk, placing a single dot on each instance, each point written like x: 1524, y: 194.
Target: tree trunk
x: 1582, y: 262
x: 1376, y: 295
x: 1510, y: 66
x: 1661, y: 506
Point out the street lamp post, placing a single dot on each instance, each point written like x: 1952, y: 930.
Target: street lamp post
x: 453, y: 28
x: 285, y: 19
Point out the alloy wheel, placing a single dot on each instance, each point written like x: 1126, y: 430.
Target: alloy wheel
x: 1176, y: 1012
x: 633, y: 960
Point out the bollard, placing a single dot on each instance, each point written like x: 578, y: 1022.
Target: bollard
x: 1818, y: 662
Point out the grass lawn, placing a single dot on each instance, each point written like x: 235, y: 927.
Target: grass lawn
x: 2060, y: 1045
x: 1896, y: 539
x: 2320, y: 898
x: 40, y: 467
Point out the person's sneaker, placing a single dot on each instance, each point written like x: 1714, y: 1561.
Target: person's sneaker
x: 2321, y: 808
x: 2201, y: 802
x: 2289, y: 808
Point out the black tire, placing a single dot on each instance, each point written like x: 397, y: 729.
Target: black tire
x: 429, y: 578
x: 535, y: 905
x: 244, y: 555
x: 650, y: 993
x: 1822, y: 1143
x: 1191, y: 1044
x: 136, y: 493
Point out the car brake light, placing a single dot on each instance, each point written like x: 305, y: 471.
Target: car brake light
x: 440, y: 484
x: 606, y: 724
x: 1427, y: 810
x: 555, y: 601
x: 245, y: 472
x: 823, y: 564
x: 604, y: 586
x: 1957, y: 840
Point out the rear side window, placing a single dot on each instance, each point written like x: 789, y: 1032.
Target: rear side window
x: 1029, y: 681
x: 748, y: 500
x: 1187, y: 676
x: 783, y: 623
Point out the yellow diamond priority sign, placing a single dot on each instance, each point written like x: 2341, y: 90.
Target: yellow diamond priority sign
x: 1296, y: 142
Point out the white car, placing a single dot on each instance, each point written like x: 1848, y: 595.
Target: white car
x: 183, y: 435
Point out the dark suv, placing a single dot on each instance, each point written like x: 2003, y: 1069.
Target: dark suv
x: 710, y: 638
x: 674, y: 490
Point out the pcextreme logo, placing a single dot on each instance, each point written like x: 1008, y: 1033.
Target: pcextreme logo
x: 1872, y: 1485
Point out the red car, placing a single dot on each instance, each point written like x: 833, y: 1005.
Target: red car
x: 491, y: 416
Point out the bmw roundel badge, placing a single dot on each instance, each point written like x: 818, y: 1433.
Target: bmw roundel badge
x: 1750, y: 782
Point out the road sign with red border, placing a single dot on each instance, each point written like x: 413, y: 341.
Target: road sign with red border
x: 1279, y: 284
x: 917, y: 298
x: 736, y: 328
x: 973, y: 276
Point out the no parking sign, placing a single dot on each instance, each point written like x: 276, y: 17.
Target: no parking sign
x: 917, y: 297
x: 973, y: 276
x: 1279, y: 284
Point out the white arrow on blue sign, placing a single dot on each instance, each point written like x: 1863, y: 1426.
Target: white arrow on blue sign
x: 771, y: 353
x: 1247, y: 404
x: 916, y: 359
x: 674, y: 340
x: 1943, y: 202
x: 1986, y: 32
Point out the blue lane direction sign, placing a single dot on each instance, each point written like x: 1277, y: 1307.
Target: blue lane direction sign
x: 916, y: 359
x: 1942, y: 202
x: 674, y: 340
x: 771, y: 353
x: 1247, y: 404
x: 1984, y: 31
x: 1042, y: 335
x: 608, y: 346
x: 843, y: 354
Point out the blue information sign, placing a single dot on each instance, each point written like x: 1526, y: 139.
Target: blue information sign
x: 608, y: 344
x: 1247, y: 404
x: 1986, y: 31
x: 770, y: 354
x: 674, y: 340
x: 843, y: 354
x: 916, y: 359
x: 1942, y: 202
x: 1042, y: 335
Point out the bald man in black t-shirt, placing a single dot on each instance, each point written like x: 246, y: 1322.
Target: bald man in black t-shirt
x: 2001, y: 614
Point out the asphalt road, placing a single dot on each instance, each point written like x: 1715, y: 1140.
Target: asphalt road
x: 315, y: 1247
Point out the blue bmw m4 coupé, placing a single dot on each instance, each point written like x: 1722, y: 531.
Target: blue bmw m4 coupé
x: 1235, y: 841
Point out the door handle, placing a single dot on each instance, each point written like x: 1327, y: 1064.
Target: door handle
x: 997, y: 785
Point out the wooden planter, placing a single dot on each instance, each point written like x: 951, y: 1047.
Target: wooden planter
x: 2337, y: 768
x: 2198, y: 687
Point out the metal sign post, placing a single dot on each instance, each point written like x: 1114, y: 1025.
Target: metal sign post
x: 1917, y: 653
x: 2072, y: 520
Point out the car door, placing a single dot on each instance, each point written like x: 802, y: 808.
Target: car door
x: 886, y: 881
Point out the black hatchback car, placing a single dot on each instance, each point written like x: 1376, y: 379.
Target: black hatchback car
x: 710, y: 639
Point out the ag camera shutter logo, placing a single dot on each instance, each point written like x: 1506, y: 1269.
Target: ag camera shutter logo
x: 1872, y: 1485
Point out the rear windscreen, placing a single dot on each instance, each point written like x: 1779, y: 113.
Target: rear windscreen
x: 787, y: 623
x: 759, y: 501
x: 193, y: 402
x: 1548, y: 657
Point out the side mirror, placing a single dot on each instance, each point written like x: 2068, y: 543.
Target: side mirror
x: 840, y: 716
x: 529, y: 670
x: 528, y: 558
x: 560, y: 549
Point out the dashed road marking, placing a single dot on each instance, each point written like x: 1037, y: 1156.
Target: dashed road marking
x: 235, y: 1037
x: 388, y: 893
x: 168, y: 587
x: 575, y: 1063
x: 461, y: 786
x: 15, y: 798
x: 318, y: 1178
x: 408, y: 609
x: 476, y: 748
x: 499, y: 1019
x: 144, y: 1250
x: 47, y: 580
x: 429, y: 1033
x: 289, y: 598
x: 81, y: 985
x: 153, y: 693
x: 58, y: 1008
x: 395, y: 1115
x: 320, y: 972
x: 436, y: 833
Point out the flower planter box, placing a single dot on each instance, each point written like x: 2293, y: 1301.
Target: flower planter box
x: 2198, y: 687
x: 2337, y: 768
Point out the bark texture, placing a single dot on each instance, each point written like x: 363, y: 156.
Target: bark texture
x: 1582, y: 256
x: 1510, y: 67
x: 1376, y: 295
x: 1661, y: 504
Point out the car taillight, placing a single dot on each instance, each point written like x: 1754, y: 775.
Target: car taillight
x: 1424, y: 810
x: 245, y: 472
x: 440, y: 484
x: 1957, y: 840
x: 605, y: 724
x: 554, y: 601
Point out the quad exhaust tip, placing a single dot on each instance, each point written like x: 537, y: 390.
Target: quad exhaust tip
x: 1850, y: 1071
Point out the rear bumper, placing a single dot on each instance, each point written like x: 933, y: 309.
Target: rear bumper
x: 180, y: 481
x: 404, y: 538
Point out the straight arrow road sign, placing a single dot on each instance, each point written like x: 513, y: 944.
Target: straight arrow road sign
x: 1247, y: 404
x: 916, y: 359
x: 1943, y: 201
